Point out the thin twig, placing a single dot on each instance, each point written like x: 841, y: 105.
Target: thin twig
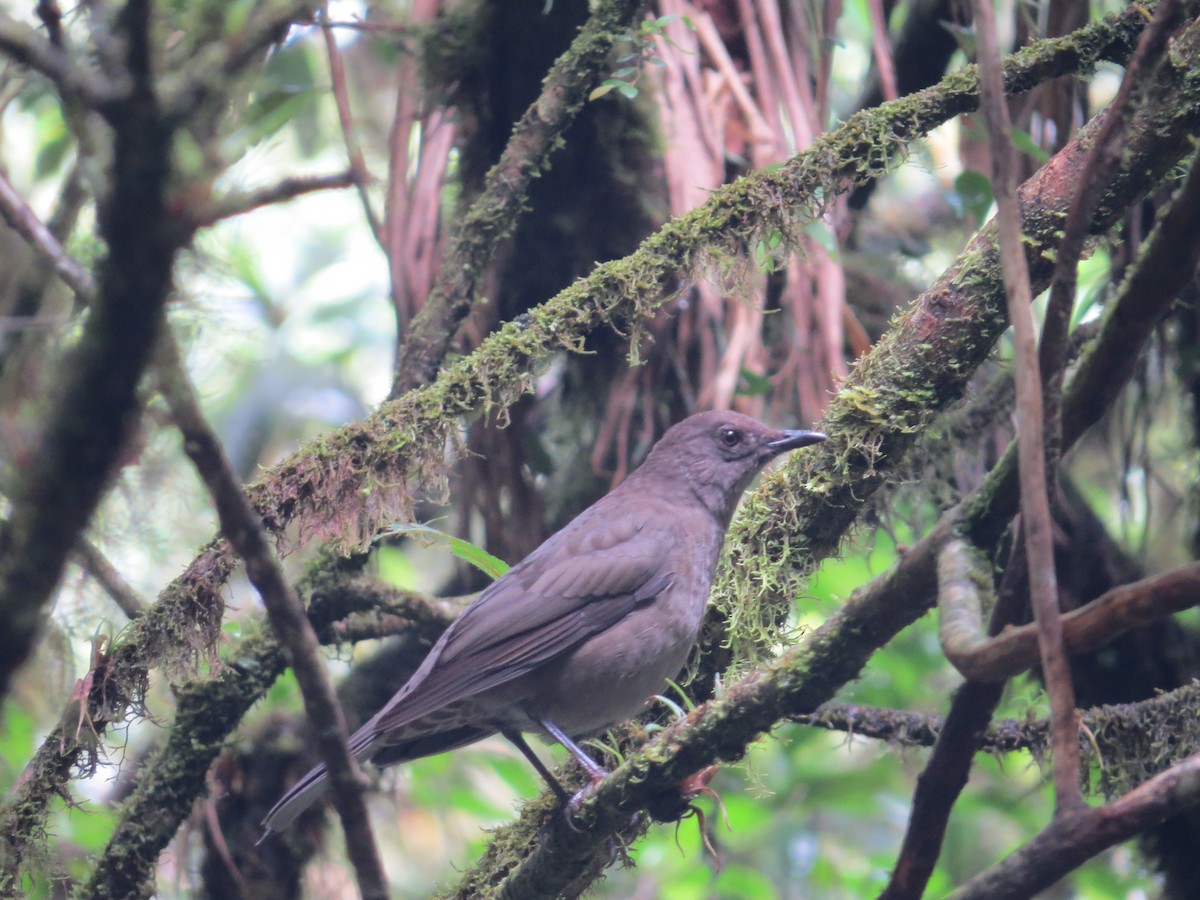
x: 1035, y: 503
x: 243, y: 529
x: 25, y: 222
x: 120, y: 591
x: 341, y: 97
x: 281, y: 192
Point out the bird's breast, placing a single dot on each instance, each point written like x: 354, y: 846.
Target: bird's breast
x: 609, y: 677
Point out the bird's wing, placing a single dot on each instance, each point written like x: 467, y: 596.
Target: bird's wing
x: 579, y: 583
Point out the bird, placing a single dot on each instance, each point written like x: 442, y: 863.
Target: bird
x: 582, y: 633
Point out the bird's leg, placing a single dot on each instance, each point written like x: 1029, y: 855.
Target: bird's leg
x: 518, y: 741
x: 594, y: 770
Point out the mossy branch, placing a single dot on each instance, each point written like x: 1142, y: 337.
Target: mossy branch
x: 924, y: 362
x: 835, y: 653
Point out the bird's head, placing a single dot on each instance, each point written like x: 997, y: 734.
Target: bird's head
x: 718, y: 453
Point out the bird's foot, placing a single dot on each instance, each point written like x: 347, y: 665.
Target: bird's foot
x: 571, y: 807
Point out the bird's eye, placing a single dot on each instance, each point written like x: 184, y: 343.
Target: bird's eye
x: 730, y: 437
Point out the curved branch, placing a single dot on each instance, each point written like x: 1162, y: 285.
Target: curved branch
x: 1088, y: 628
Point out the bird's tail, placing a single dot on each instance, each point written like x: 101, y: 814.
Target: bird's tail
x: 305, y: 792
x: 367, y: 743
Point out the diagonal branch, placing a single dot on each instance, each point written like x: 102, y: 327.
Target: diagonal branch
x: 281, y: 192
x: 1073, y: 838
x: 1036, y: 524
x: 244, y: 531
x: 25, y: 222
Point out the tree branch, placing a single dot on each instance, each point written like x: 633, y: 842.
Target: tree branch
x: 93, y: 407
x: 1076, y: 836
x: 244, y: 531
x: 24, y: 221
x: 96, y: 565
x: 1014, y: 650
x: 281, y: 192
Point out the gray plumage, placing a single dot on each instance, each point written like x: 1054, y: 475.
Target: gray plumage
x: 581, y: 633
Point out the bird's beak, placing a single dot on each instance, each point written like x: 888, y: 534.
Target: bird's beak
x: 793, y: 440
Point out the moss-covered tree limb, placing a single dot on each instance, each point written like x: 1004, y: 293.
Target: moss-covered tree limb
x: 493, y: 214
x: 835, y: 653
x: 919, y: 368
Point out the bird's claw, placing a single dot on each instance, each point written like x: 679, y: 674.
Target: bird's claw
x: 571, y: 807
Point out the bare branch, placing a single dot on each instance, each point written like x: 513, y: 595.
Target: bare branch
x: 1088, y: 628
x: 1035, y: 502
x: 281, y: 192
x: 25, y: 222
x: 96, y: 564
x: 243, y: 529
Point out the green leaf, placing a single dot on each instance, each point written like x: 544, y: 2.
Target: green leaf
x: 974, y: 190
x: 820, y: 233
x: 751, y: 384
x: 1026, y: 144
x: 464, y: 550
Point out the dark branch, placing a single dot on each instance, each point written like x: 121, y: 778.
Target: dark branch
x: 281, y: 192
x: 243, y: 529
